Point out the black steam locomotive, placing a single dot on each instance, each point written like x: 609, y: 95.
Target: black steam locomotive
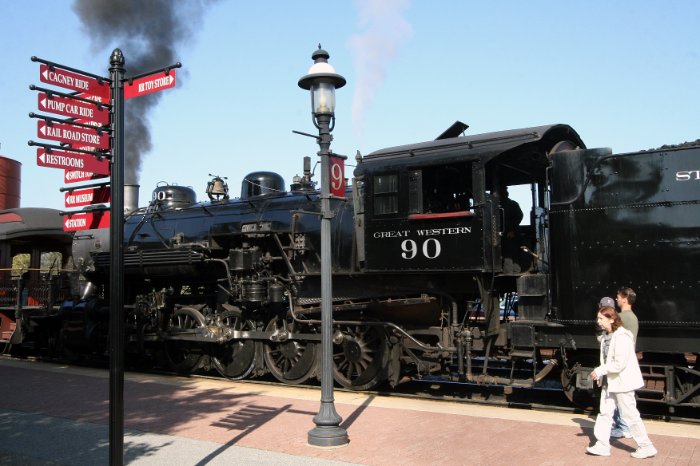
x: 425, y: 270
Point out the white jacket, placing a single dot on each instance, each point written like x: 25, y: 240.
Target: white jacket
x: 621, y: 366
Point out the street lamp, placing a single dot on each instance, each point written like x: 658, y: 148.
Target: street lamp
x: 322, y: 81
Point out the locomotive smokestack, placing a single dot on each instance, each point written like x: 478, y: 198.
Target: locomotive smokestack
x: 131, y: 197
x: 148, y: 33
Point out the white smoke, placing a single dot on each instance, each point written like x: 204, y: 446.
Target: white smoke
x: 384, y: 31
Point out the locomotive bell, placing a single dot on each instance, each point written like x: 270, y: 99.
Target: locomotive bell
x: 217, y: 188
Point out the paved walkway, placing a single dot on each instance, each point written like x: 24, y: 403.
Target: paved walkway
x: 57, y: 415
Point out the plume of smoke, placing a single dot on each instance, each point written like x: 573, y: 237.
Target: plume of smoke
x: 385, y: 30
x: 148, y: 33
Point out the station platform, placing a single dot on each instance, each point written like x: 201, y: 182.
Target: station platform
x: 59, y: 415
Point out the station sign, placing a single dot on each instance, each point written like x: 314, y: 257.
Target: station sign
x: 72, y: 161
x: 74, y: 81
x: 66, y: 106
x: 336, y: 167
x: 87, y: 196
x: 76, y: 176
x: 148, y: 84
x: 73, y: 134
x: 86, y: 221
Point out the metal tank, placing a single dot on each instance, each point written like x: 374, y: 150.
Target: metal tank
x: 10, y: 183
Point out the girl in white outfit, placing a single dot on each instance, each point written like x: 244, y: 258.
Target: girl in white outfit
x: 619, y: 376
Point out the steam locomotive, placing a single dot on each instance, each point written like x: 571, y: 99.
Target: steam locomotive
x: 421, y: 264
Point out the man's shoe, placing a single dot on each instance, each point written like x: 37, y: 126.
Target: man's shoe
x: 599, y: 450
x: 619, y: 433
x: 644, y: 452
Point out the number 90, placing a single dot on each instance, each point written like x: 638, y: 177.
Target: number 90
x: 431, y: 249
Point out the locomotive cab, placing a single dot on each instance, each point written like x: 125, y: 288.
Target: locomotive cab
x: 440, y: 205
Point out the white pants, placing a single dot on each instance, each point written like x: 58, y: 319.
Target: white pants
x: 626, y: 403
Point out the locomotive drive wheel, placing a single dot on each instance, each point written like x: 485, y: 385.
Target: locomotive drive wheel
x: 360, y: 359
x: 289, y: 361
x: 236, y: 358
x: 184, y: 356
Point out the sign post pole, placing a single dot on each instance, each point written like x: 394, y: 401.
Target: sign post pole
x: 116, y: 275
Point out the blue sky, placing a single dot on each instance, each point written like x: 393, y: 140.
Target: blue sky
x: 624, y: 74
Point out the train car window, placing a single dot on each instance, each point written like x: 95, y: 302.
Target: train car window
x: 444, y: 189
x: 51, y: 262
x: 386, y: 194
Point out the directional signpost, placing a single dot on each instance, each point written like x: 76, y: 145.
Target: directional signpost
x: 73, y: 134
x: 86, y: 221
x: 80, y: 197
x: 93, y: 136
x: 71, y: 161
x: 76, y: 176
x: 149, y: 84
x: 71, y: 107
x: 78, y: 82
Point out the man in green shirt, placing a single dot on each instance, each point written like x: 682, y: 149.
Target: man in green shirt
x: 625, y: 299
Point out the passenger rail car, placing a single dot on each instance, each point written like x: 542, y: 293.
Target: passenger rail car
x: 34, y: 252
x: 421, y: 237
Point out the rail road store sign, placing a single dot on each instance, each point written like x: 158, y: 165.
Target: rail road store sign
x: 71, y: 134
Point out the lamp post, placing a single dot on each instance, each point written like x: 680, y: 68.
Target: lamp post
x: 322, y: 81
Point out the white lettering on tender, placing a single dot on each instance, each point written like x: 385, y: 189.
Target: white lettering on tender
x: 445, y: 231
x: 391, y: 234
x: 687, y: 175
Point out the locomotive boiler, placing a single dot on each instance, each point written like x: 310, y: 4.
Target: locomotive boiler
x: 421, y: 261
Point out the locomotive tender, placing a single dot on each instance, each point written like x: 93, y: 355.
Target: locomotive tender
x: 420, y: 262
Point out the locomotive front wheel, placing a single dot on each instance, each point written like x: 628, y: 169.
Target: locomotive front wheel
x: 184, y: 356
x: 290, y: 361
x: 360, y: 355
x: 236, y: 358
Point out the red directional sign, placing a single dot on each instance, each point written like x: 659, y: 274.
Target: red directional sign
x: 87, y: 196
x: 74, y: 108
x: 147, y: 84
x: 73, y: 134
x: 86, y: 221
x: 71, y: 161
x: 76, y: 176
x: 94, y: 98
x: 337, y: 176
x: 75, y: 81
